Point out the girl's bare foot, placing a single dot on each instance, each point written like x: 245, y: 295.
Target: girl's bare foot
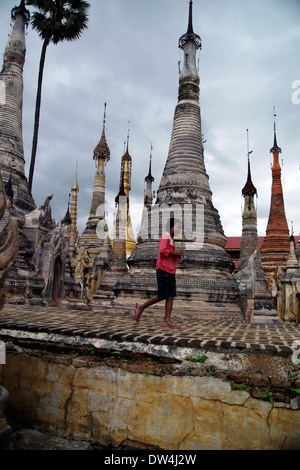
x: 171, y: 325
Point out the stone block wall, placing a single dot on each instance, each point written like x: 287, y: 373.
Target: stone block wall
x: 112, y: 405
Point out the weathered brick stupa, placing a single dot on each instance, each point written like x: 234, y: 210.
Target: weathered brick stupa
x: 205, y: 285
x: 263, y: 307
x: 94, y: 244
x: 11, y: 105
x: 276, y: 246
x: 117, y: 261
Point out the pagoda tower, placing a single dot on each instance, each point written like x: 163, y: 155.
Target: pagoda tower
x: 12, y: 160
x: 249, y: 244
x: 125, y: 182
x: 117, y: 266
x: 205, y: 285
x: 148, y: 201
x: 276, y: 246
x: 73, y: 231
x: 96, y: 226
x: 93, y: 248
x: 148, y: 197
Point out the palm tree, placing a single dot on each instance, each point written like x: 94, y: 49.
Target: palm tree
x: 55, y: 21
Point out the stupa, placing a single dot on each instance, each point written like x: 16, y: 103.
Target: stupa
x: 125, y: 183
x: 276, y: 246
x: 263, y: 308
x: 93, y: 248
x: 205, y: 285
x: 12, y: 160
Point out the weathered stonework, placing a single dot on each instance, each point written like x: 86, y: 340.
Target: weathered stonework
x: 289, y: 289
x: 205, y: 285
x: 11, y: 135
x: 9, y: 246
x: 298, y: 252
x: 117, y: 266
x: 115, y: 403
x: 257, y: 303
x: 94, y: 246
x: 276, y: 246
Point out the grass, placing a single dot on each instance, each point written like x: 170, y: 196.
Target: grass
x: 196, y: 359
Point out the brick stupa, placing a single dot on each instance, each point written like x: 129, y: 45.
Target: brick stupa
x: 276, y: 246
x: 264, y: 309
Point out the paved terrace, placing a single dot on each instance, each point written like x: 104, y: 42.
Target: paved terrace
x: 218, y: 336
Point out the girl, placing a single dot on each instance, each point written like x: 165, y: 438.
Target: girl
x: 165, y: 274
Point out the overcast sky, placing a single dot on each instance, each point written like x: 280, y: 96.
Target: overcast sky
x: 128, y: 57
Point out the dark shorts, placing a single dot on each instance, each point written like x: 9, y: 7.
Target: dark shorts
x: 166, y: 285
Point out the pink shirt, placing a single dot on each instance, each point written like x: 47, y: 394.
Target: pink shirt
x: 165, y: 261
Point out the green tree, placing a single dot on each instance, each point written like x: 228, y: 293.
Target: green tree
x: 55, y: 21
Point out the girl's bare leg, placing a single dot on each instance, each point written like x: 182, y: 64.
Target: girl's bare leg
x: 168, y: 311
x: 148, y: 303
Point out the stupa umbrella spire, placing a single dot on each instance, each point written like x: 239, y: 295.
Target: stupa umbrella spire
x: 190, y: 35
x: 249, y: 188
x: 276, y: 246
x: 148, y: 199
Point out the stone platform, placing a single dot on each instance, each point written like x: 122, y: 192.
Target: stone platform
x: 100, y: 378
x: 86, y: 326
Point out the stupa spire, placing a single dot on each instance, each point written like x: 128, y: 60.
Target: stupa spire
x: 148, y: 199
x: 275, y: 147
x: 73, y: 209
x: 124, y: 190
x: 249, y: 188
x: 276, y: 246
x: 249, y: 242
x: 91, y: 235
x: 22, y: 10
x: 190, y: 35
x: 12, y: 162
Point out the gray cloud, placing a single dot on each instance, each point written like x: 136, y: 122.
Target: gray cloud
x: 128, y: 58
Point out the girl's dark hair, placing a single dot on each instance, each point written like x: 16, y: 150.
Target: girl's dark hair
x: 172, y: 222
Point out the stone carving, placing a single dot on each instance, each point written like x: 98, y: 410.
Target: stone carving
x: 9, y: 245
x: 289, y: 288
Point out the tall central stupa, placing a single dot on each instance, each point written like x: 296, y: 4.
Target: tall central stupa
x: 205, y: 285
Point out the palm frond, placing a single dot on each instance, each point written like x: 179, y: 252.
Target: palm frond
x: 59, y: 20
